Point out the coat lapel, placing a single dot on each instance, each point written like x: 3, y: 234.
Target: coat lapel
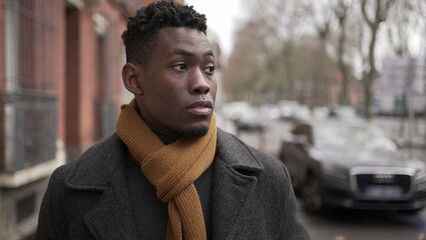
x: 111, y: 217
x: 116, y: 209
x: 234, y: 183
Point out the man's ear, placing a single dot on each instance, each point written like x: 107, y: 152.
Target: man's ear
x: 132, y: 76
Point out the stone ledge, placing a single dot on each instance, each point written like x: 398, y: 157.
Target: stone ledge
x: 31, y: 174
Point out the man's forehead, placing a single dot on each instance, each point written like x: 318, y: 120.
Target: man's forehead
x: 183, y: 38
x: 184, y: 52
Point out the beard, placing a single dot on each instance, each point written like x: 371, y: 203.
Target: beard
x: 198, y: 132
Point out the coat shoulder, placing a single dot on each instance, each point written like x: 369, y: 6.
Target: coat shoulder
x: 94, y: 164
x: 75, y: 188
x: 233, y: 147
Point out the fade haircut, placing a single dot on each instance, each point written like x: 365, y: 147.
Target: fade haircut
x: 142, y: 29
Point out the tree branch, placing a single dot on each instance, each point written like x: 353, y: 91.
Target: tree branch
x: 364, y: 13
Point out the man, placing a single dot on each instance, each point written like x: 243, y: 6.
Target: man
x: 169, y: 172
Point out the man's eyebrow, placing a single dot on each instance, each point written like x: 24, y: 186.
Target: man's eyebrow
x: 209, y: 53
x: 179, y: 51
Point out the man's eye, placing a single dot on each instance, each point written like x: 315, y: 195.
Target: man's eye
x: 180, y: 67
x: 210, y: 69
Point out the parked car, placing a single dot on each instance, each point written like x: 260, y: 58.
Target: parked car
x: 235, y: 110
x: 293, y: 111
x: 343, y: 112
x: 244, y: 116
x: 287, y: 109
x: 250, y: 121
x: 269, y: 112
x: 352, y: 165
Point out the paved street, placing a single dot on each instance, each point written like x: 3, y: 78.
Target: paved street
x: 353, y: 225
x: 363, y: 225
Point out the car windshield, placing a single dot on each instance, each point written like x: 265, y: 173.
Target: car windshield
x: 355, y: 137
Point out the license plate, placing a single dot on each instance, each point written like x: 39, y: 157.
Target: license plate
x: 383, y: 192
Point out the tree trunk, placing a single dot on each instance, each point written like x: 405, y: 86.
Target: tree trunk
x: 382, y: 8
x: 319, y: 79
x: 289, y: 70
x: 369, y: 81
x: 367, y: 98
x: 341, y: 13
x: 344, y: 95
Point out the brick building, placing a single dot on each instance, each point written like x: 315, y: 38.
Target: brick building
x: 60, y: 91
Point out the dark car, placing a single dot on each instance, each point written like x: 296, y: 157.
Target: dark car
x: 250, y: 121
x: 352, y: 165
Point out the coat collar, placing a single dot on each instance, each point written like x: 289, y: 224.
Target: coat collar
x: 98, y: 164
x: 234, y: 182
x: 101, y: 168
x: 235, y: 153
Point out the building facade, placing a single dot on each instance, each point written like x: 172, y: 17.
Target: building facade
x: 402, y: 86
x: 60, y: 91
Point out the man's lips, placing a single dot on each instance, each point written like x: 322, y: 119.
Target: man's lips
x: 201, y: 108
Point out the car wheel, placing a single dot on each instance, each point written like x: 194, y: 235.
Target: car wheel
x: 311, y: 197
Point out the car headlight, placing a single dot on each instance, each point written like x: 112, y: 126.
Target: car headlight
x: 335, y: 171
x: 420, y: 173
x: 420, y: 169
x: 420, y: 178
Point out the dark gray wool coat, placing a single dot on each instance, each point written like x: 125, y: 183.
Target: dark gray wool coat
x: 252, y: 196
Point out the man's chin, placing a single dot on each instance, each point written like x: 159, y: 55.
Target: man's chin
x: 196, y: 132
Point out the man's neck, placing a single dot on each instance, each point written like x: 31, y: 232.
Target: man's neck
x: 165, y: 138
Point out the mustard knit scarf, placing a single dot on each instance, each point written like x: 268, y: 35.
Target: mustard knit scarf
x: 172, y: 169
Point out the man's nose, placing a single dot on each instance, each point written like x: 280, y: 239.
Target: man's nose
x: 198, y: 83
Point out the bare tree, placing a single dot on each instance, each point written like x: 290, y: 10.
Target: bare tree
x: 405, y: 19
x: 321, y: 18
x: 243, y: 70
x: 341, y: 12
x: 269, y: 38
x: 380, y: 11
x: 282, y: 25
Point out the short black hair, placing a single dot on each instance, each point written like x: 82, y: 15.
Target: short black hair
x: 143, y: 28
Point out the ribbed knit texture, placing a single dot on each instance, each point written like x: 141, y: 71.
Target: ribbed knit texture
x: 172, y: 169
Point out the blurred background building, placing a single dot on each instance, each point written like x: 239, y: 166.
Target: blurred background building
x: 60, y: 91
